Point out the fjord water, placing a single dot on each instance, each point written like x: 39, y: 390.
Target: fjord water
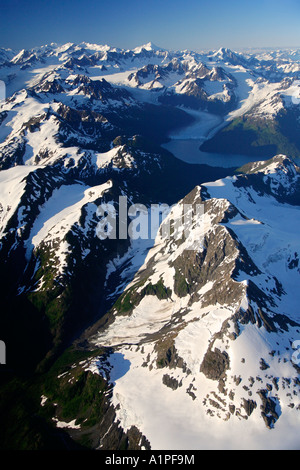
x: 189, y: 151
x: 185, y: 143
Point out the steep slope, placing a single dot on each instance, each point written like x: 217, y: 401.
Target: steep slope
x: 267, y: 123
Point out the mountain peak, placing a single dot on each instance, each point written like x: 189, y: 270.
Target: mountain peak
x: 278, y: 162
x: 222, y: 51
x: 147, y: 47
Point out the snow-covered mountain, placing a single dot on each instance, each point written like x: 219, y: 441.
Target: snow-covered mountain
x: 151, y: 342
x: 208, y: 337
x: 262, y: 86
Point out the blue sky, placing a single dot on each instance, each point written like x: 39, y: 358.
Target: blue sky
x: 184, y: 24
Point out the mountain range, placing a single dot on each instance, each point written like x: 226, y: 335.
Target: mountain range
x: 185, y: 341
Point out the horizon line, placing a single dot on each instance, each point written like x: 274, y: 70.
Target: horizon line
x: 152, y: 44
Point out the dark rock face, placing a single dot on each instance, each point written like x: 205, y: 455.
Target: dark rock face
x: 249, y: 406
x: 215, y: 364
x: 269, y: 408
x: 171, y: 382
x: 169, y: 357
